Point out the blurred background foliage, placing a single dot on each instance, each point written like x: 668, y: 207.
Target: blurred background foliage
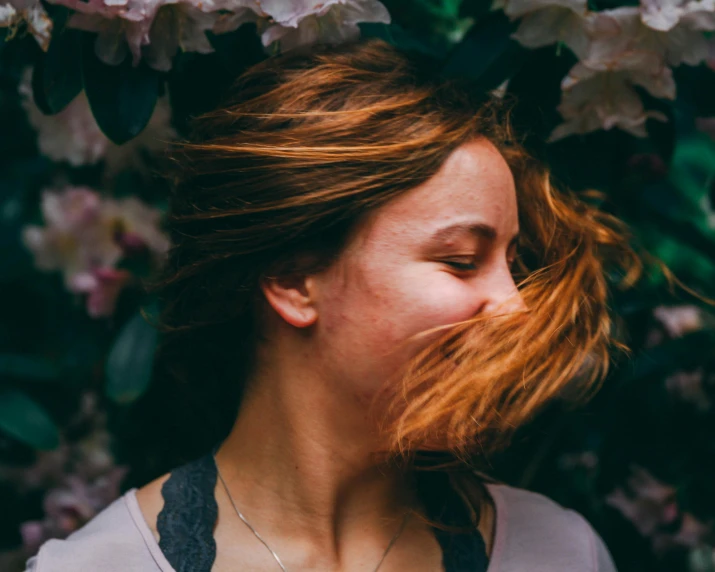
x: 84, y: 118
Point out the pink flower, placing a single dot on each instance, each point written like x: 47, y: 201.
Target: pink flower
x: 331, y: 22
x: 149, y: 29
x: 70, y: 506
x: 294, y: 23
x: 86, y: 236
x: 679, y: 320
x: 652, y: 507
x: 103, y: 287
x: 80, y: 478
x: 688, y: 385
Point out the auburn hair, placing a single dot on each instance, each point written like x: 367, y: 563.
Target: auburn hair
x: 304, y: 146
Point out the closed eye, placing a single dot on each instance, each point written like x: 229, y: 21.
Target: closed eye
x: 463, y: 265
x: 469, y: 264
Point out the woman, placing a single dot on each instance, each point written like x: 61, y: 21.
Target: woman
x: 364, y: 254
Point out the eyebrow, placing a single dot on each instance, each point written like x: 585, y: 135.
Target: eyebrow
x: 478, y: 229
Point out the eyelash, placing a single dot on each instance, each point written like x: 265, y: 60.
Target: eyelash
x: 470, y: 267
x: 461, y: 266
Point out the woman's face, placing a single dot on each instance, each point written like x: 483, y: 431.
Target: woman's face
x: 439, y: 254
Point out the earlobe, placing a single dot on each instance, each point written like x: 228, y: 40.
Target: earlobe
x: 290, y: 297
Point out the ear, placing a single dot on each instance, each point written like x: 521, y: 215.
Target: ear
x: 292, y: 297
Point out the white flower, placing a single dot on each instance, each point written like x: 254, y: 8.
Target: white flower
x: 80, y: 477
x: 679, y: 320
x: 86, y: 236
x: 670, y: 29
x: 237, y: 16
x: 153, y: 29
x: 294, y: 23
x: 652, y: 507
x: 551, y: 25
x: 545, y: 22
x: 335, y: 23
x: 73, y: 135
x: 658, y: 83
x: 518, y: 8
x: 593, y: 100
x: 689, y: 386
x: 664, y: 15
x: 618, y: 51
x: 650, y: 503
x: 14, y: 12
x: 621, y: 34
x: 134, y: 223
x: 73, y: 240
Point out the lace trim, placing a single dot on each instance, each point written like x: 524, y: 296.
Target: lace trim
x: 461, y: 551
x: 187, y: 520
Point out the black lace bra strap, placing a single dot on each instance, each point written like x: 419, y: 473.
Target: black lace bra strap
x: 186, y: 522
x: 461, y: 551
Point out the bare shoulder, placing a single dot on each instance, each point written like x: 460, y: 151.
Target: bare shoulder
x: 151, y: 502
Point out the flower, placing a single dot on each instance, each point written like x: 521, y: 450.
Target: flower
x: 73, y: 135
x: 70, y: 506
x: 81, y: 477
x: 657, y: 30
x: 631, y: 45
x: 86, y: 237
x: 679, y: 320
x: 651, y: 506
x: 594, y: 100
x: 155, y: 29
x: 102, y: 286
x: 304, y: 22
x: 587, y: 460
x: 664, y: 15
x: 651, y: 503
x: 331, y: 22
x: 152, y: 29
x: 545, y: 22
x: 688, y: 385
x: 14, y: 12
x: 557, y: 24
x: 621, y: 35
x: 518, y: 8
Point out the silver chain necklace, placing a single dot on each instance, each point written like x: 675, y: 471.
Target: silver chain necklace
x: 258, y: 536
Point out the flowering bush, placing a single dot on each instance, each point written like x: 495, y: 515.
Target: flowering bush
x: 614, y: 95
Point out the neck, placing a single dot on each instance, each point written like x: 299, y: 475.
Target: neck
x: 300, y: 460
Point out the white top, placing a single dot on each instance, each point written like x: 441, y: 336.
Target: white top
x: 533, y: 534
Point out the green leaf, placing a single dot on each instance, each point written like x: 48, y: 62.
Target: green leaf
x: 130, y: 361
x: 475, y: 8
x: 537, y: 90
x: 239, y: 49
x: 25, y: 420
x: 27, y: 367
x: 122, y: 97
x: 695, y: 88
x: 487, y: 52
x: 57, y: 76
x: 669, y: 356
x: 396, y: 35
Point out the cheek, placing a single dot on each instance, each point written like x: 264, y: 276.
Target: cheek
x: 438, y: 298
x: 371, y: 319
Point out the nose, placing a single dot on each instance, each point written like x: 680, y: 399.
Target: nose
x: 503, y: 296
